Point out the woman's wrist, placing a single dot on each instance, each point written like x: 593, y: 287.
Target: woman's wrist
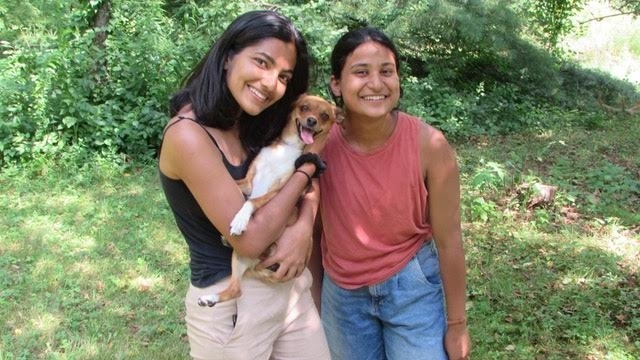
x: 456, y: 322
x: 305, y: 173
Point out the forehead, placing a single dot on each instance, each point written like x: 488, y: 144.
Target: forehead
x: 313, y: 102
x: 282, y: 53
x: 370, y: 53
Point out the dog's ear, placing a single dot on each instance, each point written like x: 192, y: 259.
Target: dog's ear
x: 340, y: 115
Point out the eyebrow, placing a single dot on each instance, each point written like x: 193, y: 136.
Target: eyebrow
x: 269, y: 58
x: 272, y: 61
x: 389, y: 63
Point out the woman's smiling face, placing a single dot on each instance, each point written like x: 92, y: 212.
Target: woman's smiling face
x: 369, y: 83
x: 258, y: 75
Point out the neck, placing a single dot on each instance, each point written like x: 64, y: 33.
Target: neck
x: 369, y: 134
x: 292, y: 140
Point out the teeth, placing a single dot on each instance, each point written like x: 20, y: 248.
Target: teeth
x: 258, y: 94
x: 374, y: 98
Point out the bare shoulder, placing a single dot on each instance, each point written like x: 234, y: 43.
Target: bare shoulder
x: 437, y: 156
x: 182, y: 132
x: 432, y: 139
x: 184, y: 141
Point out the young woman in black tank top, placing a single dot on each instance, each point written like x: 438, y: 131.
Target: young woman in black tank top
x: 234, y: 102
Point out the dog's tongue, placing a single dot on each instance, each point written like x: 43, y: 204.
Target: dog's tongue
x: 307, y: 136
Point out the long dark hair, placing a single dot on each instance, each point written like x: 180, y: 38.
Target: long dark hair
x: 349, y: 41
x: 205, y: 87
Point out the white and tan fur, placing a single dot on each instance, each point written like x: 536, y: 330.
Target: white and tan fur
x: 310, y: 116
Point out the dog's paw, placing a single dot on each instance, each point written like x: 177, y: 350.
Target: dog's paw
x: 208, y: 300
x: 241, y: 220
x: 238, y: 225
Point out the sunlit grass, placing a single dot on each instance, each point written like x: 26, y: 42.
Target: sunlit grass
x: 559, y: 280
x: 91, y: 265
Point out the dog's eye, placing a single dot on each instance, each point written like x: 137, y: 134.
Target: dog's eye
x: 324, y: 116
x: 304, y: 108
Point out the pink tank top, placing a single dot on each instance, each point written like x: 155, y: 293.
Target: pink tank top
x: 374, y: 206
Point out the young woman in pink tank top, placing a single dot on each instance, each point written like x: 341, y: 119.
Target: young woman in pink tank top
x: 394, y: 268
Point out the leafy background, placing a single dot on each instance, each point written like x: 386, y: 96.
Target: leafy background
x: 98, y: 74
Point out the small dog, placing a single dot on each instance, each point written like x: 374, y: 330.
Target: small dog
x: 310, y: 117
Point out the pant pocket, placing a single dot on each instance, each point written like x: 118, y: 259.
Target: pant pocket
x: 209, y: 326
x: 427, y: 259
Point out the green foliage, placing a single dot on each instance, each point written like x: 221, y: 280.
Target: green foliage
x: 471, y: 68
x: 551, y: 19
x: 317, y: 21
x: 440, y: 106
x: 64, y: 90
x: 627, y: 6
x: 512, y: 182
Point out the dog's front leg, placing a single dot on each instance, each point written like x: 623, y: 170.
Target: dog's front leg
x: 245, y: 186
x: 242, y: 217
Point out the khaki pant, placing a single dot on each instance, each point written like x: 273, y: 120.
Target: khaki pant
x: 272, y: 321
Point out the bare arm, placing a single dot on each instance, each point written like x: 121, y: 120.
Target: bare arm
x: 442, y: 181
x: 187, y: 154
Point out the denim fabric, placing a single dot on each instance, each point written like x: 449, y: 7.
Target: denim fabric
x: 400, y: 318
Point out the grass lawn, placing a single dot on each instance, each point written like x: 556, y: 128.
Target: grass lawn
x: 92, y: 265
x: 554, y: 280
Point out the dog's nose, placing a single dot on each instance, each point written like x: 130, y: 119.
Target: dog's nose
x: 311, y: 121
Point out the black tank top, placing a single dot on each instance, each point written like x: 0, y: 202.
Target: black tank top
x: 210, y: 259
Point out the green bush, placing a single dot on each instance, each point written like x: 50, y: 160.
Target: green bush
x: 469, y: 68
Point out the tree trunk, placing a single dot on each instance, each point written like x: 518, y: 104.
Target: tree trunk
x: 100, y: 22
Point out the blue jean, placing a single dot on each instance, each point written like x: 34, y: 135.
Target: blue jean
x: 400, y: 318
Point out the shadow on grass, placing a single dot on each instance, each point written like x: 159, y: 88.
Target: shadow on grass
x: 537, y: 296
x: 90, y: 268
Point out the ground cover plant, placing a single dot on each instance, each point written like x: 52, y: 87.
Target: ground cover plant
x: 554, y: 279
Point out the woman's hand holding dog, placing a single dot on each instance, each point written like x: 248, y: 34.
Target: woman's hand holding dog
x: 294, y: 246
x: 291, y: 252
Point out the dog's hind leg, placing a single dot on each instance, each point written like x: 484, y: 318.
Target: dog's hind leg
x: 208, y: 300
x: 239, y: 266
